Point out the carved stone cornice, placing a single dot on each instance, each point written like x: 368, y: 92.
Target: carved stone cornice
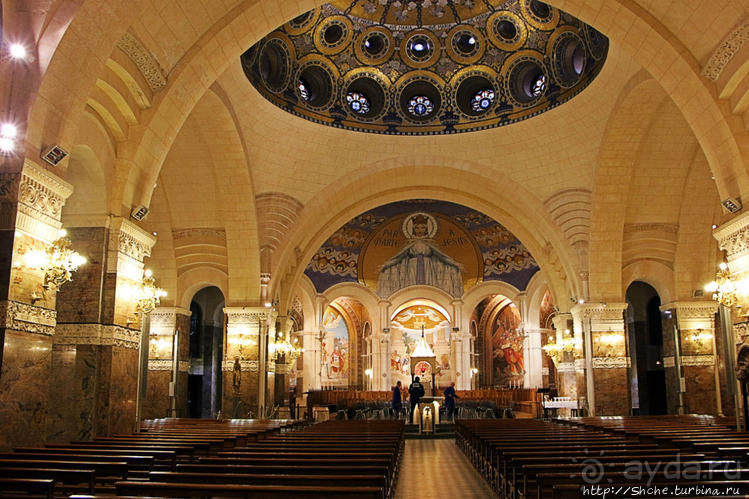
x: 697, y: 360
x: 723, y: 54
x: 143, y: 59
x: 602, y: 316
x: 741, y: 331
x: 733, y: 238
x: 694, y: 314
x: 164, y: 319
x: 27, y: 318
x: 651, y: 227
x: 580, y: 364
x: 611, y: 362
x: 248, y: 316
x: 130, y: 240
x: 97, y: 334
x: 246, y: 365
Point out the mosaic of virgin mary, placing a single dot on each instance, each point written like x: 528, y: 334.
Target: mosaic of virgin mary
x: 420, y: 261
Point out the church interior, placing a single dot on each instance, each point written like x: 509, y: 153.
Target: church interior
x: 234, y: 221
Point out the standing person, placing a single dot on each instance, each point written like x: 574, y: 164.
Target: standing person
x: 450, y: 397
x: 292, y: 403
x: 416, y: 391
x: 397, y: 399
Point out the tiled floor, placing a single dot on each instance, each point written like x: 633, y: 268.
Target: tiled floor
x: 436, y: 469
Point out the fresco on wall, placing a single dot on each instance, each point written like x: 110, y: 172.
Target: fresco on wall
x: 335, y: 349
x: 546, y: 311
x: 405, y: 330
x: 421, y: 242
x: 507, y: 346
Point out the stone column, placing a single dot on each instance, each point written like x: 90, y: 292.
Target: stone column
x: 31, y: 202
x: 462, y: 345
x: 283, y: 366
x: 695, y: 322
x: 603, y: 324
x: 310, y: 357
x: 97, y: 341
x: 533, y: 359
x: 382, y: 377
x: 166, y: 322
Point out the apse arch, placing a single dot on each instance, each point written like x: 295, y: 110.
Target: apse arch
x: 417, y: 178
x: 414, y: 294
x: 420, y: 301
x: 347, y: 289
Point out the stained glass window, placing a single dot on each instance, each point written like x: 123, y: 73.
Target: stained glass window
x: 539, y: 86
x: 358, y: 102
x: 303, y: 91
x: 482, y: 100
x: 420, y: 105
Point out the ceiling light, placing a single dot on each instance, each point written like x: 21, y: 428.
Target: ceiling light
x: 8, y: 130
x: 714, y: 226
x: 17, y: 51
x: 6, y: 145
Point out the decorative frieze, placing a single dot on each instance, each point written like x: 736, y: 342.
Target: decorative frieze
x: 247, y: 365
x: 237, y: 316
x: 651, y: 227
x: 579, y: 364
x: 164, y: 320
x: 143, y: 59
x: 28, y: 318
x: 159, y: 365
x: 694, y: 314
x: 697, y: 360
x: 97, y: 334
x: 130, y: 240
x: 669, y: 362
x: 741, y: 331
x: 611, y: 362
x: 723, y: 54
x: 601, y: 316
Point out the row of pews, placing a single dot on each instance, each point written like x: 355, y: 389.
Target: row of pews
x: 204, y: 458
x: 664, y: 456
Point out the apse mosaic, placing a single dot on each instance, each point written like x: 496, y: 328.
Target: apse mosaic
x: 425, y: 66
x: 421, y: 242
x: 335, y: 349
x: 507, y: 346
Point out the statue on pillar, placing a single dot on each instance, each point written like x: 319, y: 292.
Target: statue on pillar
x: 236, y: 377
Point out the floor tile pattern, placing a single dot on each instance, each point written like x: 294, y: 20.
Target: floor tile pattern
x: 436, y: 469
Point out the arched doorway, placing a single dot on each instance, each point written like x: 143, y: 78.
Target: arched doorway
x: 648, y: 377
x: 204, y: 380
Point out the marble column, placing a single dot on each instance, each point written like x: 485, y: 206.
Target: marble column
x: 31, y: 201
x: 462, y: 346
x: 283, y: 365
x: 97, y: 342
x: 569, y: 383
x: 166, y: 323
x: 695, y: 321
x: 533, y: 358
x: 606, y: 339
x: 241, y: 366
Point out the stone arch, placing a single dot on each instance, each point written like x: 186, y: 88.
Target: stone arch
x: 194, y: 280
x: 656, y: 274
x: 409, y: 178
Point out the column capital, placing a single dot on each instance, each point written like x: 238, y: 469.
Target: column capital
x: 249, y: 315
x: 560, y: 321
x: 603, y: 316
x: 693, y: 314
x: 164, y: 319
x: 733, y: 238
x: 130, y: 240
x: 40, y: 195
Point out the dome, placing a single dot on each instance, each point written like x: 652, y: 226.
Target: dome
x: 425, y: 66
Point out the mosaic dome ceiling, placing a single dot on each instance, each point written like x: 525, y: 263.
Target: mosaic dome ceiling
x: 425, y: 66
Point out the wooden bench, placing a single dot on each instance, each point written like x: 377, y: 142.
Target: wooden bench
x: 27, y: 486
x: 166, y: 489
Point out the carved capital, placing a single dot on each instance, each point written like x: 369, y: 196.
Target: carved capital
x: 697, y: 360
x: 129, y: 240
x: 694, y: 314
x: 164, y: 319
x: 733, y: 238
x: 238, y: 316
x: 602, y: 316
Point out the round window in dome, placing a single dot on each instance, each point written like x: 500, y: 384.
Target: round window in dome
x: 303, y: 90
x: 358, y: 102
x: 482, y: 100
x: 540, y: 9
x: 506, y: 29
x: 420, y: 106
x: 466, y: 43
x: 419, y: 47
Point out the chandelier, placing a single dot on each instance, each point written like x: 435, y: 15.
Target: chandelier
x: 557, y: 350
x: 283, y: 349
x: 58, y: 261
x: 147, y: 295
x: 725, y: 290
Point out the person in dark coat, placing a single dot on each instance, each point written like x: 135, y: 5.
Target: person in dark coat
x: 397, y: 399
x: 450, y: 397
x: 415, y: 391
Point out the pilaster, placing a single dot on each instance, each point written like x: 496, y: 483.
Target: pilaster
x: 607, y: 369
x: 696, y: 355
x: 31, y: 202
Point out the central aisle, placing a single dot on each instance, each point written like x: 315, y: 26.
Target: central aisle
x: 438, y: 470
